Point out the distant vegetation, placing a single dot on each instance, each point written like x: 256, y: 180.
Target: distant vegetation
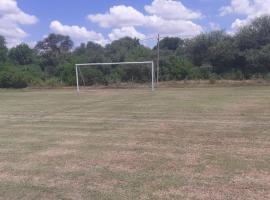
x: 211, y: 56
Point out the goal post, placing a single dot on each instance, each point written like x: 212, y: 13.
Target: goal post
x: 151, y: 63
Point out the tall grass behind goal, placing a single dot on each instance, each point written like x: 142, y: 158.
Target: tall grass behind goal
x: 115, y: 73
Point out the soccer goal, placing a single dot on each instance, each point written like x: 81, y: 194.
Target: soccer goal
x: 81, y: 79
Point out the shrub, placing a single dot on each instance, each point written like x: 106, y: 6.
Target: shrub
x: 12, y: 79
x: 113, y: 78
x: 202, y: 72
x: 234, y: 75
x: 175, y: 68
x: 213, y: 78
x: 52, y: 82
x: 267, y: 77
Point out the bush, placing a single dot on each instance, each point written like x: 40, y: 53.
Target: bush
x: 213, y: 78
x: 202, y: 72
x: 267, y: 77
x: 93, y: 76
x: 32, y: 75
x: 234, y: 75
x: 52, y: 82
x: 113, y: 78
x: 175, y: 68
x: 12, y: 79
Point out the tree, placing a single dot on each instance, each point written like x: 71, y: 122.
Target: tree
x: 170, y: 43
x: 198, y: 48
x: 90, y: 52
x: 252, y: 43
x: 12, y: 78
x: 54, y: 43
x: 21, y: 54
x: 53, y: 50
x: 258, y: 60
x: 255, y: 34
x: 175, y: 68
x: 223, y: 55
x: 3, y: 49
x: 119, y: 49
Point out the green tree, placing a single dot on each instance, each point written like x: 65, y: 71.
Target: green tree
x: 175, y: 68
x: 12, y: 78
x: 53, y: 51
x: 255, y: 34
x: 198, y: 48
x: 170, y: 43
x: 54, y: 43
x: 3, y: 49
x: 252, y: 42
x: 223, y: 55
x: 258, y: 60
x: 118, y: 50
x: 21, y: 54
x: 90, y: 52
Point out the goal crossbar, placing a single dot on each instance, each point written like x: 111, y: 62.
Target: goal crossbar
x: 115, y: 63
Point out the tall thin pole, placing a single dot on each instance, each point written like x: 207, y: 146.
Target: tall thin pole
x: 158, y: 57
x: 153, y: 76
x: 77, y: 79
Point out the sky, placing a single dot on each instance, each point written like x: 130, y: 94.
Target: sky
x: 103, y: 21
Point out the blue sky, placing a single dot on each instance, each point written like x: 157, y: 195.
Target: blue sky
x: 104, y: 21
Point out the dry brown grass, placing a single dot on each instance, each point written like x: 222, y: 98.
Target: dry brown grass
x: 189, y: 143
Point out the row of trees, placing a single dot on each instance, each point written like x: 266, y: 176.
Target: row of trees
x: 244, y: 55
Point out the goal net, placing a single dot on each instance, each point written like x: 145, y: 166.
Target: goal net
x: 115, y: 73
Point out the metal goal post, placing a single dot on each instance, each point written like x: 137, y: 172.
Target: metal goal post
x: 116, y: 63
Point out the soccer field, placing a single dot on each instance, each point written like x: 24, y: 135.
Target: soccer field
x: 188, y: 143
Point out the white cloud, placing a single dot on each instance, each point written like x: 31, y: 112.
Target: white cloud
x: 170, y: 9
x: 250, y: 9
x: 237, y: 6
x: 125, y: 31
x: 238, y: 23
x: 118, y: 16
x: 168, y: 17
x: 11, y: 17
x: 183, y: 28
x: 77, y: 33
x: 214, y: 26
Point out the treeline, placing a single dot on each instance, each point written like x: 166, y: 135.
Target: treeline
x: 213, y: 55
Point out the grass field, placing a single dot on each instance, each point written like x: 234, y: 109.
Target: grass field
x: 189, y: 143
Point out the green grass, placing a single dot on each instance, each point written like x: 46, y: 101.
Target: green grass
x: 189, y: 143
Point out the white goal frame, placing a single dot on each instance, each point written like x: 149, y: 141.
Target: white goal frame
x: 115, y: 63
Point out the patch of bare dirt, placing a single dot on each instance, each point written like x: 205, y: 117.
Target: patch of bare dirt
x: 104, y: 185
x: 206, y: 83
x: 212, y: 171
x: 191, y: 159
x: 70, y: 142
x: 28, y: 140
x: 261, y: 178
x: 247, y: 187
x: 127, y: 161
x: 56, y: 152
x: 249, y: 151
x: 9, y: 177
x: 162, y: 194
